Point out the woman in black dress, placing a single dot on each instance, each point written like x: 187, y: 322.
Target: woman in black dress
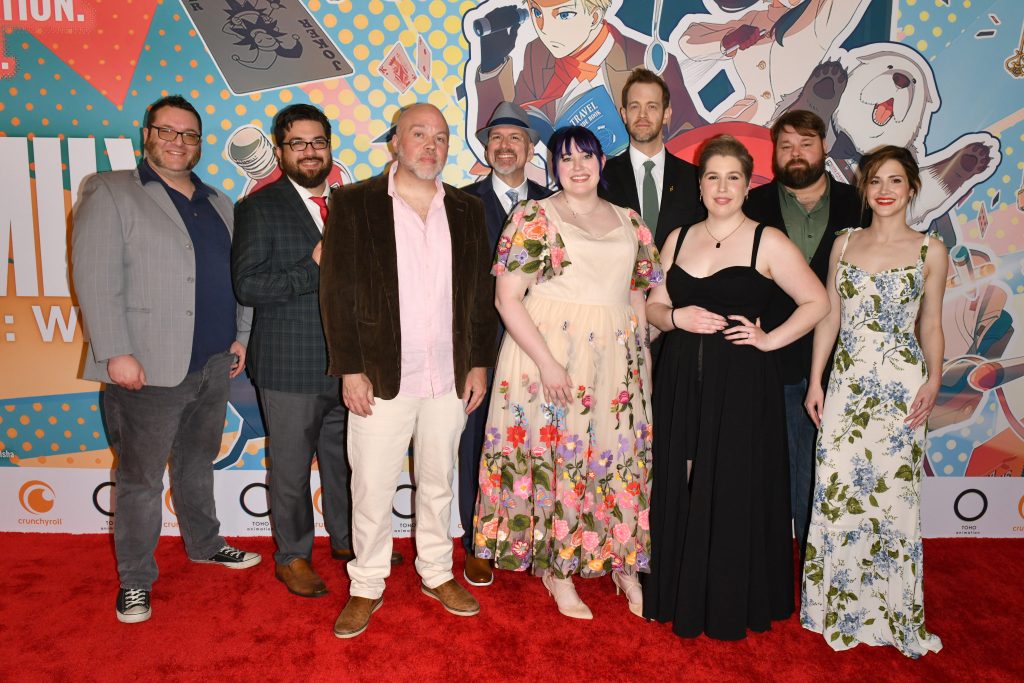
x: 722, y: 552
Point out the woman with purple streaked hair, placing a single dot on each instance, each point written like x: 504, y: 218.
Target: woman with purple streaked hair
x: 565, y: 470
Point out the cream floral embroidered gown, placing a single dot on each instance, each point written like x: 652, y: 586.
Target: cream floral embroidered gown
x: 863, y: 571
x: 568, y: 489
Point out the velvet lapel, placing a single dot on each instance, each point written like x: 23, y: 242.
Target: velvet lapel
x: 380, y: 237
x: 455, y: 210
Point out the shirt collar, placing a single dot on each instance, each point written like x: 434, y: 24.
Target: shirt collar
x: 790, y: 196
x: 637, y: 159
x: 501, y: 188
x: 394, y: 192
x: 148, y: 175
x: 305, y: 193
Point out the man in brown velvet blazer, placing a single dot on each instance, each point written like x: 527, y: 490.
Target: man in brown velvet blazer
x: 406, y: 303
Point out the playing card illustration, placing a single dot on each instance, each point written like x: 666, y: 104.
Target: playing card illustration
x: 397, y: 68
x: 423, y: 58
x: 263, y: 44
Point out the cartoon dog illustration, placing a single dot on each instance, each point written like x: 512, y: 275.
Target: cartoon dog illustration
x: 771, y: 44
x: 885, y: 94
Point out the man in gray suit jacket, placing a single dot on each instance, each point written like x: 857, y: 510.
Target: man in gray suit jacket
x: 151, y: 261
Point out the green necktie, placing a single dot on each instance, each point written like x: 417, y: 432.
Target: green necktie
x: 650, y: 206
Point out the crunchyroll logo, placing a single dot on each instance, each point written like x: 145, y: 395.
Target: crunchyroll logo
x: 36, y: 497
x: 169, y: 502
x: 316, y: 501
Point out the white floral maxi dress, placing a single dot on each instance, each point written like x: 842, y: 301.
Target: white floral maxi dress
x: 568, y: 489
x: 863, y: 569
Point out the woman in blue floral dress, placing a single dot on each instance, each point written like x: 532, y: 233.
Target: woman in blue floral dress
x: 564, y: 484
x: 863, y: 571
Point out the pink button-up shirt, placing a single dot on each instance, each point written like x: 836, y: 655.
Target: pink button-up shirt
x: 424, y: 251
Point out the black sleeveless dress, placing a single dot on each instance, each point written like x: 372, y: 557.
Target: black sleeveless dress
x: 722, y: 552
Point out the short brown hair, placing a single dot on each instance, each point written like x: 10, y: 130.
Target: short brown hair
x: 725, y: 146
x: 642, y: 75
x: 802, y: 121
x: 872, y: 161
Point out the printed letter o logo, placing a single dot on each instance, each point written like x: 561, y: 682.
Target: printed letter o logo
x: 972, y: 518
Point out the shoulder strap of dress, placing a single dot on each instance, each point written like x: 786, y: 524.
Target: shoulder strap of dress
x: 758, y: 231
x: 679, y: 241
x: 846, y: 243
x: 924, y: 247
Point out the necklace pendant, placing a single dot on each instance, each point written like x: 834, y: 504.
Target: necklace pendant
x: 718, y: 245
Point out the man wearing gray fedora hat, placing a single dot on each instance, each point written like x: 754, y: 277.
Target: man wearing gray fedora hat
x: 508, y: 144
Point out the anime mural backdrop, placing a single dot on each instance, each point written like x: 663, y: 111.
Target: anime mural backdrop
x: 941, y: 77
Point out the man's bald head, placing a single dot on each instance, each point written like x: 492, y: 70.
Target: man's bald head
x: 421, y: 141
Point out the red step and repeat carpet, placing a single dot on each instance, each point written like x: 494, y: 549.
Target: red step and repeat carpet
x: 76, y: 76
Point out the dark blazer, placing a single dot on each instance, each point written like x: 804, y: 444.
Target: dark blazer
x: 844, y: 211
x: 680, y: 195
x: 359, y: 286
x: 493, y: 212
x: 273, y: 271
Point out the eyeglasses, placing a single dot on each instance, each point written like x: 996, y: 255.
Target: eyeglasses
x: 170, y: 135
x: 301, y: 145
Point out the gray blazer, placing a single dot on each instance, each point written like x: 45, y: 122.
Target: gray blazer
x: 134, y: 273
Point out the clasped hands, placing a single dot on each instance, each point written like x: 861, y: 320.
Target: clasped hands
x: 699, y: 320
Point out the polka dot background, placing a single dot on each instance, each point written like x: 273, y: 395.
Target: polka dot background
x: 48, y: 95
x: 55, y: 94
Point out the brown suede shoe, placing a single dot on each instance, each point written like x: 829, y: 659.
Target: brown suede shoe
x: 300, y: 578
x: 478, y: 571
x: 346, y: 554
x: 355, y: 617
x: 454, y: 597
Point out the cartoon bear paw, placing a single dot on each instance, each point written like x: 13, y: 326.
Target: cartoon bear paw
x: 973, y: 160
x: 823, y: 90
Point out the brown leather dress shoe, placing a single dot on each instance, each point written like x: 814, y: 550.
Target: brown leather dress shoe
x: 355, y: 617
x: 454, y: 597
x: 300, y: 578
x: 478, y: 571
x: 346, y: 554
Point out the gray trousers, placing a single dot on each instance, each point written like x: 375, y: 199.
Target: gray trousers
x: 297, y: 426
x: 144, y: 427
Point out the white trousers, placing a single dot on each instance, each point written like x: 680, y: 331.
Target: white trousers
x: 377, y: 448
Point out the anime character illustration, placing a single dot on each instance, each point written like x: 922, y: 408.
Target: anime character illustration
x: 253, y: 24
x: 884, y: 93
x: 564, y: 62
x: 769, y: 46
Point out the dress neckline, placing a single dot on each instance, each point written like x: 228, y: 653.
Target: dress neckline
x: 565, y: 221
x: 720, y: 270
x: 914, y: 266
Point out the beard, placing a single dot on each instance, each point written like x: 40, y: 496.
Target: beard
x: 797, y: 175
x: 304, y: 178
x: 419, y: 169
x: 157, y: 156
x: 504, y: 167
x: 642, y: 137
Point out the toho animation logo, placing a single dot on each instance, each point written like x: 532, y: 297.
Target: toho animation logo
x: 37, y: 498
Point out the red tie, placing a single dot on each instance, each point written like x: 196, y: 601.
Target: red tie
x: 322, y: 203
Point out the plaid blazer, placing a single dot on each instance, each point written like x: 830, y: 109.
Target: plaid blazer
x: 274, y: 272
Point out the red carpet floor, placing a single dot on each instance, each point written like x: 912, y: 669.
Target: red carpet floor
x: 57, y: 623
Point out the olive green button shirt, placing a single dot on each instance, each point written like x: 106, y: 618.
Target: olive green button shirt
x: 805, y: 228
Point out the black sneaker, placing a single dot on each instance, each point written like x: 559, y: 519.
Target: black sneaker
x: 133, y: 605
x: 233, y: 558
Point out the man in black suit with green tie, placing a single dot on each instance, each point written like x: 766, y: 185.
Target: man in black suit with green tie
x: 508, y: 144
x: 275, y: 261
x: 646, y: 178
